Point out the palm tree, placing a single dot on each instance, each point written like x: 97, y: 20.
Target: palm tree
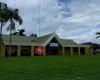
x: 3, y: 14
x: 98, y: 34
x: 11, y: 15
x: 11, y: 27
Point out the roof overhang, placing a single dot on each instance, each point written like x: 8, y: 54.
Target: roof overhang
x: 76, y: 45
x: 50, y: 38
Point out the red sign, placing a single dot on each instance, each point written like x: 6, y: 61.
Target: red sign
x: 39, y: 50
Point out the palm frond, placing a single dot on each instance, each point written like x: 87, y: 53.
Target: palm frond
x: 97, y: 33
x: 8, y: 13
x: 17, y: 17
x: 4, y: 13
x: 97, y: 36
x: 11, y: 15
x: 11, y: 26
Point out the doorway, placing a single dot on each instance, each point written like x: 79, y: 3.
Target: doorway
x: 53, y: 47
x: 82, y: 51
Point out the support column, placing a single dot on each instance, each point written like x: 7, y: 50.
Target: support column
x: 44, y: 54
x: 79, y: 51
x: 18, y: 50
x: 71, y: 51
x: 32, y: 50
x: 63, y: 51
x: 2, y: 50
x: 86, y: 51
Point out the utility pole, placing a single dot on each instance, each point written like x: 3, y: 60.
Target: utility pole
x: 39, y: 24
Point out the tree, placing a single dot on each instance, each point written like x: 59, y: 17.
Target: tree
x: 98, y: 34
x: 3, y: 14
x: 33, y: 35
x: 11, y: 15
x: 20, y: 32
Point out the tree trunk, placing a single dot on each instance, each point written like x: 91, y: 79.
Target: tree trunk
x: 1, y: 41
x: 10, y: 44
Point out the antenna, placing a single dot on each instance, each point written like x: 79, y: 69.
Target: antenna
x: 39, y: 18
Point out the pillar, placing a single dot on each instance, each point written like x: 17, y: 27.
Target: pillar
x: 2, y: 50
x: 71, y: 51
x: 87, y: 51
x: 18, y: 50
x: 79, y: 51
x: 32, y: 50
x: 44, y: 54
x: 63, y: 51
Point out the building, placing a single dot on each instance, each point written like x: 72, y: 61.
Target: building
x: 49, y: 44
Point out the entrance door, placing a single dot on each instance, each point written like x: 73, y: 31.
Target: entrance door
x: 53, y: 47
x: 52, y: 50
x: 82, y: 51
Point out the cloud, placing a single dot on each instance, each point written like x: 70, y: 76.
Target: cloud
x: 81, y: 26
x: 72, y: 19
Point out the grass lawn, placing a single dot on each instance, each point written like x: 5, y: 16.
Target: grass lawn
x: 50, y: 68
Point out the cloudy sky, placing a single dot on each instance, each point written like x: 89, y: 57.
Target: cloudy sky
x: 70, y: 19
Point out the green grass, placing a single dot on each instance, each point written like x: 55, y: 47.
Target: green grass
x: 50, y: 68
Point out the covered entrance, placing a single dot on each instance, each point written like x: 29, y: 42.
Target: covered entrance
x: 53, y: 47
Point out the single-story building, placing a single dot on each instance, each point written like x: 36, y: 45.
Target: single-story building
x: 49, y: 44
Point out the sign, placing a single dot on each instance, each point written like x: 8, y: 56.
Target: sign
x: 39, y: 50
x: 54, y: 44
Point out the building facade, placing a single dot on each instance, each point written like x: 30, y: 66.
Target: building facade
x: 46, y: 45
